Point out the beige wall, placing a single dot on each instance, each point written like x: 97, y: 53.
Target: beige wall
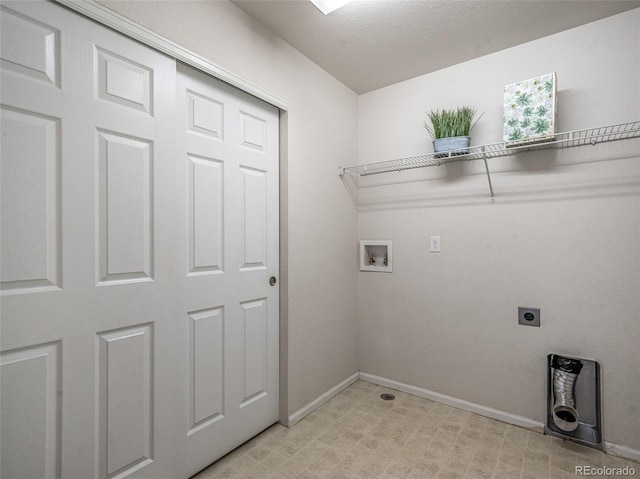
x: 318, y: 218
x: 563, y: 234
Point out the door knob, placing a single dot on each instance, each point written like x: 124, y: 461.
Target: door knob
x: 272, y: 281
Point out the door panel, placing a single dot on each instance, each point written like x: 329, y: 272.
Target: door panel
x: 255, y: 360
x: 229, y: 146
x: 123, y: 81
x: 34, y: 48
x: 30, y: 201
x: 206, y: 220
x: 125, y: 208
x: 125, y: 399
x: 30, y: 435
x: 86, y: 255
x: 253, y: 191
x: 206, y: 368
x: 139, y: 232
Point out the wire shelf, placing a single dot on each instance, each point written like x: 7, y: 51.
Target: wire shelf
x: 588, y: 136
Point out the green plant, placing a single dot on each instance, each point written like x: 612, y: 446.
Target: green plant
x: 449, y: 123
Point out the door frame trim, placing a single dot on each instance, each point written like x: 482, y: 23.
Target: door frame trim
x: 126, y: 26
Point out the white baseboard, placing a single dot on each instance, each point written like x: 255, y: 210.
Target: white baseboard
x: 320, y: 400
x: 622, y: 451
x: 454, y: 402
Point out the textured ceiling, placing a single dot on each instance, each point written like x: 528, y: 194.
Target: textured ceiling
x: 369, y: 44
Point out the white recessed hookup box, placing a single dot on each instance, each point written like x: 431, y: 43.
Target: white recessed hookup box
x: 376, y: 255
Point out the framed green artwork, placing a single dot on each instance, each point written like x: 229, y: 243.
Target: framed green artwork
x: 530, y: 111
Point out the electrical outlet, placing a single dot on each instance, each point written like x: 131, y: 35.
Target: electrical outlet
x: 529, y: 316
x: 435, y: 244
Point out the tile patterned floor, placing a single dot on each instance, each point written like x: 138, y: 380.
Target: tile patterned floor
x: 357, y: 435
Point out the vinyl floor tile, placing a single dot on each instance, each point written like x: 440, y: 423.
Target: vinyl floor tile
x: 357, y: 435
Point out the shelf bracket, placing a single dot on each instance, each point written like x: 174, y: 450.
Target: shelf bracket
x: 486, y: 167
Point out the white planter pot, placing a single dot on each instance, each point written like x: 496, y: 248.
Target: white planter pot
x: 456, y: 145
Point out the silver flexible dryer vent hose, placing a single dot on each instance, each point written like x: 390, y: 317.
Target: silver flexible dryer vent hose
x: 565, y: 373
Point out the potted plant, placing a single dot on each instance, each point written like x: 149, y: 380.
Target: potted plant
x: 450, y: 129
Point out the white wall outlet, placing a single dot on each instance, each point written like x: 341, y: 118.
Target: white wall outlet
x: 435, y: 244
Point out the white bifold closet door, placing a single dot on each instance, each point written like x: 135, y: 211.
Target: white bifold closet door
x: 139, y: 231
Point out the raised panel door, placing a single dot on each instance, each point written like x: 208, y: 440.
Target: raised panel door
x: 89, y: 315
x: 229, y: 185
